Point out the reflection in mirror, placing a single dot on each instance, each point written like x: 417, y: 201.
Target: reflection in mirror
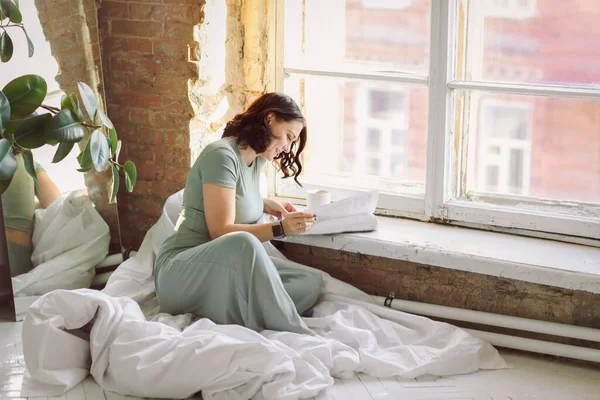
x: 54, y: 237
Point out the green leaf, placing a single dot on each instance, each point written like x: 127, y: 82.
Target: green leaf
x: 6, y: 47
x: 130, y: 175
x: 105, y: 120
x: 113, y: 140
x: 115, y: 187
x: 30, y: 46
x: 30, y: 134
x: 118, y: 151
x: 99, y: 150
x: 30, y: 167
x: 15, y: 14
x: 71, y: 102
x: 65, y: 128
x: 63, y: 150
x: 4, y: 9
x: 4, y: 185
x: 4, y: 111
x: 75, y: 101
x: 85, y: 158
x: 8, y: 162
x: 25, y: 94
x: 65, y: 102
x: 89, y: 99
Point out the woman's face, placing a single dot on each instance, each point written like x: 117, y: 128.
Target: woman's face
x: 284, y: 134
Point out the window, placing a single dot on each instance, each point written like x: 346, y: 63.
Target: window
x: 454, y: 110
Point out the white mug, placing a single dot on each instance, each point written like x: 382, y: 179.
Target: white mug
x: 317, y: 197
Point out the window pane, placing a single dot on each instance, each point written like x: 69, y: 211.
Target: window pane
x: 533, y: 41
x: 492, y: 178
x: 397, y: 164
x: 374, y: 166
x: 376, y: 35
x: 373, y: 139
x: 360, y: 129
x: 516, y: 170
x: 397, y: 137
x: 542, y: 147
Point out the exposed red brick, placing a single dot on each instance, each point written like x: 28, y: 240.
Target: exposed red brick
x: 140, y: 116
x: 136, y: 28
x: 172, y: 48
x: 173, y: 119
x: 115, y: 9
x: 150, y: 12
x: 140, y: 45
x: 179, y: 30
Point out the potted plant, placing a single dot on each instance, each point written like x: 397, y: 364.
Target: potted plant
x: 23, y: 127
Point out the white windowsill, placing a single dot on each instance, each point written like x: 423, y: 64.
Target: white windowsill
x: 564, y: 265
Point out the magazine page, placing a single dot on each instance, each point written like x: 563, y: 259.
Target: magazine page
x: 356, y: 223
x: 362, y: 203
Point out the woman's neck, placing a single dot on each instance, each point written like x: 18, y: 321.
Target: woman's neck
x: 248, y: 154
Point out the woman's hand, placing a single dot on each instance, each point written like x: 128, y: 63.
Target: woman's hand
x: 296, y: 223
x: 278, y: 209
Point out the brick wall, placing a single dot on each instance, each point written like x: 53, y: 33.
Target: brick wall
x: 172, y: 82
x: 71, y: 28
x: 145, y: 60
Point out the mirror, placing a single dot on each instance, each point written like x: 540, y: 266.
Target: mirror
x: 54, y: 234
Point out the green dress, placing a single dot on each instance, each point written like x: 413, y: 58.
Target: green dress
x: 18, y: 204
x: 230, y: 280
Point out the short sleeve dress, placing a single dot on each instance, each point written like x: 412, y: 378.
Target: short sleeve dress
x: 231, y: 279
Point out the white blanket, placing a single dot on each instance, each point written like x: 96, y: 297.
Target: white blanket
x: 69, y: 239
x: 134, y: 350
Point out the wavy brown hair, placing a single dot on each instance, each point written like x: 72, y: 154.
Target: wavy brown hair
x: 250, y: 128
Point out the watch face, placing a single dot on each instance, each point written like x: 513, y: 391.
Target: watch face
x: 277, y: 230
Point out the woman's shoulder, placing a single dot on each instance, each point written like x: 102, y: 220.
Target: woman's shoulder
x: 220, y: 150
x: 218, y: 146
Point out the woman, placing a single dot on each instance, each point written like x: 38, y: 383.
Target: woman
x: 18, y: 204
x: 214, y: 265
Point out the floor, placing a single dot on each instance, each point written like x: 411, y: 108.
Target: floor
x: 533, y: 377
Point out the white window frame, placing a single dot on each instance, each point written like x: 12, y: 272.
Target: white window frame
x: 443, y: 202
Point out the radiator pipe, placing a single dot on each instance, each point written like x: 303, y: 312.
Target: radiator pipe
x: 505, y: 321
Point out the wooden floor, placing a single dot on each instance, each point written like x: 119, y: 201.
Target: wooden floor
x: 533, y: 377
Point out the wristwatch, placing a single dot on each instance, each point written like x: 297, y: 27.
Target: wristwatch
x: 277, y: 228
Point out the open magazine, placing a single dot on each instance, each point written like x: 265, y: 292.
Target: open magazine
x: 352, y: 214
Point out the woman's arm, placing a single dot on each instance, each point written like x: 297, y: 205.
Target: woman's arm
x: 219, y: 207
x: 277, y: 208
x: 48, y: 190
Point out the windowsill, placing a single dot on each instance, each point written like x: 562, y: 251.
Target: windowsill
x: 547, y: 262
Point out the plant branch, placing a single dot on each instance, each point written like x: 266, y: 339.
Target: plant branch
x: 91, y: 126
x: 50, y: 108
x: 115, y: 163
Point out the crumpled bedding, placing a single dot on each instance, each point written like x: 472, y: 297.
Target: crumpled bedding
x: 133, y: 349
x: 69, y: 239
